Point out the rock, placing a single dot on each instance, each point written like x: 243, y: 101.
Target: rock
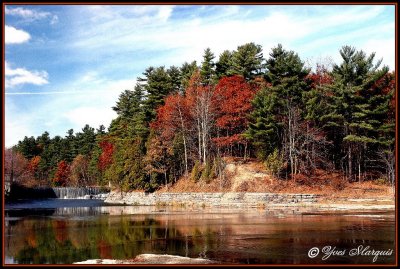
x: 151, y: 259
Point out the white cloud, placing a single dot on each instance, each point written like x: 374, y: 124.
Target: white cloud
x: 95, y: 108
x: 15, y: 36
x: 16, y: 130
x: 109, y: 44
x: 140, y: 13
x: 41, y: 93
x: 383, y: 48
x: 118, y: 34
x: 54, y: 20
x: 345, y: 16
x: 186, y: 38
x: 164, y: 13
x: 27, y: 14
x: 19, y: 76
x: 17, y: 124
x: 94, y: 116
x: 89, y: 76
x: 74, y: 105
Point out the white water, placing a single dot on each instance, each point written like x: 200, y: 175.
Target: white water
x: 80, y: 193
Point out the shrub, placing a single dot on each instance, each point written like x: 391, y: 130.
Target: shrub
x: 196, y: 172
x: 214, y: 170
x: 274, y: 163
x: 338, y: 183
x: 205, y: 175
x: 382, y: 181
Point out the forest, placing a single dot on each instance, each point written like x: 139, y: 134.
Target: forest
x: 184, y: 121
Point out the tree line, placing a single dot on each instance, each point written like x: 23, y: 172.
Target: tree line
x: 183, y: 121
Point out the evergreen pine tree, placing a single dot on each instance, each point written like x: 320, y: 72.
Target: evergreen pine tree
x: 247, y: 61
x: 157, y: 86
x: 224, y: 64
x: 187, y: 70
x: 275, y: 121
x: 352, y: 113
x: 207, y: 71
x: 174, y: 74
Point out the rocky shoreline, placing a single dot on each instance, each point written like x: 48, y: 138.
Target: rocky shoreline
x: 247, y: 200
x: 202, y: 199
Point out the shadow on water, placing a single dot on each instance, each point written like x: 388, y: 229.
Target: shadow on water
x: 25, y: 212
x: 18, y: 192
x: 21, y: 192
x: 53, y: 203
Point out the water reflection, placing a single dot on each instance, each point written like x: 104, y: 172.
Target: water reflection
x: 255, y: 236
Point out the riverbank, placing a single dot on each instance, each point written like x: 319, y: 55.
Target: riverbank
x: 247, y: 184
x: 249, y: 200
x: 151, y: 259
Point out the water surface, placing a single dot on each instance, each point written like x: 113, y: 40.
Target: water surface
x: 66, y: 231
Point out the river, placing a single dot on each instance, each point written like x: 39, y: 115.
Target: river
x: 62, y: 231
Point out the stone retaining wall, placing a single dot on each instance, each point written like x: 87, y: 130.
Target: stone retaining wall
x: 230, y: 199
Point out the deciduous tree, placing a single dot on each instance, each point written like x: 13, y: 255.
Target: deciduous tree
x: 201, y: 110
x: 62, y: 174
x: 15, y: 166
x: 232, y: 104
x: 174, y: 118
x: 79, y: 175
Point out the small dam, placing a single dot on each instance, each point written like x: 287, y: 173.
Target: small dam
x: 18, y: 192
x: 79, y: 192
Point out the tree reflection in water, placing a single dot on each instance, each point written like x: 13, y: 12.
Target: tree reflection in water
x: 72, y: 235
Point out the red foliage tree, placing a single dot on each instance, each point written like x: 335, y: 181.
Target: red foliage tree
x: 62, y: 174
x: 173, y: 118
x: 320, y: 77
x: 384, y: 86
x: 15, y: 167
x: 34, y: 164
x: 79, y: 171
x: 105, y: 159
x: 232, y: 103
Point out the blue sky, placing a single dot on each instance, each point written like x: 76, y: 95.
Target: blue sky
x: 67, y: 64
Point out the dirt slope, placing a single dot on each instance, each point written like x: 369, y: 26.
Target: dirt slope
x: 251, y: 176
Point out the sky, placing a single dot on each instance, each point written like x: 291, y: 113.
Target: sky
x: 65, y: 65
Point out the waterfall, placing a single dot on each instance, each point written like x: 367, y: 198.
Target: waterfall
x: 79, y: 193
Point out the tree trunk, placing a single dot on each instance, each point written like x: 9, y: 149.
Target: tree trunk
x: 165, y: 177
x: 204, y: 148
x: 199, y: 138
x: 12, y: 168
x: 359, y: 167
x: 290, y: 141
x: 350, y: 163
x: 184, y: 141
